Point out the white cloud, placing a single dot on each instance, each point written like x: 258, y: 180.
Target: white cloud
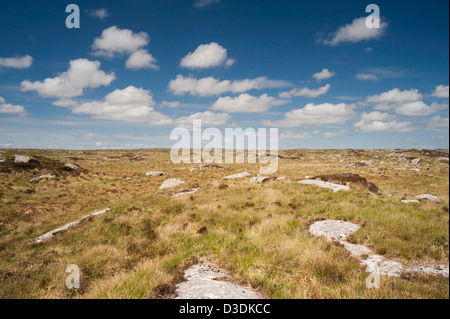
x: 211, y: 86
x: 172, y: 104
x: 323, y: 75
x: 335, y: 134
x: 381, y: 126
x: 246, y: 103
x: 418, y: 108
x: 207, y: 56
x: 208, y: 118
x: 130, y: 105
x: 119, y: 41
x: 65, y: 103
x: 313, y: 114
x: 367, y: 77
x: 200, y: 4
x: 6, y: 108
x: 290, y: 135
x: 355, y: 32
x: 101, y: 13
x: 305, y: 92
x: 441, y: 91
x: 17, y: 62
x: 376, y: 116
x: 396, y: 96
x: 438, y: 122
x: 141, y: 59
x: 81, y: 74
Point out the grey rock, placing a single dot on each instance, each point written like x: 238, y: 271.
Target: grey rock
x: 431, y: 270
x: 25, y: 159
x: 154, y: 173
x: 322, y: 184
x: 259, y: 179
x: 417, y: 161
x: 333, y: 230
x: 72, y: 166
x: 240, y: 175
x: 50, y: 234
x: 172, y: 182
x: 203, y: 282
x: 429, y: 197
x: 378, y: 265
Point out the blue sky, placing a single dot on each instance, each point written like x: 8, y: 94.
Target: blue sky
x: 134, y: 71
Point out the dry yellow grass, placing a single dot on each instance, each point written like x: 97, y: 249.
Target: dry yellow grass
x: 258, y: 232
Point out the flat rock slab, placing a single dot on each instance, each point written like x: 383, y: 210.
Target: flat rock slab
x: 430, y: 270
x: 50, y: 234
x: 154, y: 173
x: 186, y: 193
x: 240, y: 175
x: 172, y: 182
x: 429, y: 197
x: 322, y: 184
x: 355, y: 250
x: 259, y: 179
x: 333, y: 230
x: 378, y: 265
x: 202, y: 283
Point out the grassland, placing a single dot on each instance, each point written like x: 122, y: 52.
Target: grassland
x: 257, y: 232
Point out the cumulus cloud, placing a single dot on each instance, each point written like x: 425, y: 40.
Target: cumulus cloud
x: 208, y: 118
x: 382, y: 126
x: 130, y: 105
x: 172, y: 104
x: 200, y: 4
x: 441, y: 91
x: 246, y: 103
x: 376, y: 116
x: 141, y: 59
x: 396, y: 96
x: 6, y: 108
x: 323, y: 75
x: 16, y: 62
x: 367, y: 77
x: 306, y: 92
x: 335, y: 134
x: 438, y: 122
x: 119, y: 41
x: 81, y: 74
x: 207, y: 56
x: 312, y: 114
x: 291, y: 135
x: 101, y: 13
x: 407, y: 102
x: 211, y: 86
x: 356, y: 31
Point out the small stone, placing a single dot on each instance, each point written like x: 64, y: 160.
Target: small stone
x: 72, y: 166
x: 154, y: 173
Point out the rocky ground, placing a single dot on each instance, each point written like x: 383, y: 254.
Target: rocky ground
x: 139, y: 226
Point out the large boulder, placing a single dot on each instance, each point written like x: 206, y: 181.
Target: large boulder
x: 25, y: 159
